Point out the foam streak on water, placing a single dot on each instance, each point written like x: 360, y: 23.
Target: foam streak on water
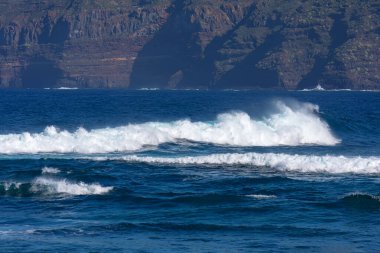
x: 289, y: 125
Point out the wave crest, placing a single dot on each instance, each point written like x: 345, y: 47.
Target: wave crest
x: 50, y: 186
x: 50, y: 170
x: 54, y: 186
x: 289, y: 125
x: 361, y: 201
x: 286, y: 162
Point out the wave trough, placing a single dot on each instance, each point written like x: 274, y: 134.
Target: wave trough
x: 289, y: 125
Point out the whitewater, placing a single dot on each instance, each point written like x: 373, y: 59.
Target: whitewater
x: 46, y: 186
x: 285, y: 162
x: 287, y: 125
x: 91, y: 170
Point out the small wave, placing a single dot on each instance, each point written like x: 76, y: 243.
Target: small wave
x: 361, y: 201
x: 66, y: 88
x: 15, y: 189
x: 149, y: 89
x: 370, y: 90
x: 291, y: 125
x: 317, y: 88
x: 232, y: 90
x: 49, y: 170
x: 341, y: 90
x: 54, y: 186
x: 212, y: 227
x: 261, y: 196
x: 320, y: 88
x: 49, y: 186
x: 285, y: 162
x: 207, y: 199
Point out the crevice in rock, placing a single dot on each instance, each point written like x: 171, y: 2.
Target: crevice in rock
x: 165, y: 55
x: 202, y: 73
x: 338, y: 35
x: 247, y: 75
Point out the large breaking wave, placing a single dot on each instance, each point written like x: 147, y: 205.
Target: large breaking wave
x: 288, y: 125
x: 286, y: 162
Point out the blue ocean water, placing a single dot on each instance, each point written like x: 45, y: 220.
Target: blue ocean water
x: 189, y: 171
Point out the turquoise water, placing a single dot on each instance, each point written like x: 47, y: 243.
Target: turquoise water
x: 189, y: 171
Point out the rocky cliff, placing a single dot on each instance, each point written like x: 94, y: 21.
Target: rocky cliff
x: 190, y: 43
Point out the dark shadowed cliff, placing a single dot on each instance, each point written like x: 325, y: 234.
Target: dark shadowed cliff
x: 190, y: 43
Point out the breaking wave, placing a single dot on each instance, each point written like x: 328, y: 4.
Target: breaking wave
x: 50, y: 186
x: 286, y: 162
x: 289, y: 125
x: 50, y: 170
x: 317, y: 88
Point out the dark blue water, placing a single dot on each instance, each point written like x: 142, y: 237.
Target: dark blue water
x: 160, y: 171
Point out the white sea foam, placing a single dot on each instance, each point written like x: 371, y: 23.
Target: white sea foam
x: 66, y: 88
x: 55, y: 186
x: 149, y: 89
x: 291, y: 125
x: 9, y: 185
x: 48, y: 186
x: 317, y: 88
x: 284, y: 162
x: 50, y: 170
x: 261, y: 196
x: 320, y: 88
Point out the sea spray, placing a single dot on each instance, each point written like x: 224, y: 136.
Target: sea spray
x: 288, y: 125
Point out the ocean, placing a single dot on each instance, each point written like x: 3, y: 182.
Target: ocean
x: 189, y: 171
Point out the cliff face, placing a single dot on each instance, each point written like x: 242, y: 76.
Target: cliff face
x: 75, y: 43
x: 190, y: 43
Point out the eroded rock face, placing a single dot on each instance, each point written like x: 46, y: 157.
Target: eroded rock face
x: 75, y: 43
x: 190, y: 44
